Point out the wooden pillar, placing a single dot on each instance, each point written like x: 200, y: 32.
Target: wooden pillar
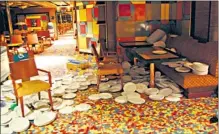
x: 152, y: 75
x: 9, y: 17
x: 60, y: 15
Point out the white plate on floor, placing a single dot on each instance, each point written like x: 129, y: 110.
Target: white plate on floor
x: 182, y: 69
x: 4, y: 110
x: 151, y: 91
x: 136, y: 100
x: 156, y: 97
x: 19, y: 124
x: 6, y: 130
x: 83, y: 107
x: 172, y: 98
x: 83, y: 88
x: 45, y: 118
x: 131, y: 95
x: 115, y: 88
x: 33, y: 115
x: 121, y: 99
x: 66, y: 110
x: 176, y: 95
x: 68, y: 102
x: 166, y: 91
x: 105, y: 95
x: 69, y: 96
x: 129, y: 87
x: 18, y: 110
x: 86, y: 83
x: 74, y: 85
x: 59, y: 106
x: 5, y: 119
x: 94, y: 97
x: 141, y: 88
x: 69, y: 90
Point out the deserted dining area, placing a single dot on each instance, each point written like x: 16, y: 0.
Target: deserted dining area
x: 109, y: 67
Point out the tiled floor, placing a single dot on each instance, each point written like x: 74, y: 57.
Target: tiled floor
x: 108, y: 117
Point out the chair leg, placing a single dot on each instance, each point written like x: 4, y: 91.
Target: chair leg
x: 50, y: 99
x: 22, y: 105
x: 39, y: 97
x: 98, y: 81
x: 121, y: 81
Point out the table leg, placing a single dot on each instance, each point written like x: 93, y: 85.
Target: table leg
x: 152, y: 75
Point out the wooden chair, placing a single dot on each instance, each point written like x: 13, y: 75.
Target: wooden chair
x: 106, y: 69
x: 33, y: 42
x: 24, y: 70
x: 16, y: 38
x: 44, y: 36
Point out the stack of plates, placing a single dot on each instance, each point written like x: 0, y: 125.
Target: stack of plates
x: 45, y: 118
x: 129, y: 87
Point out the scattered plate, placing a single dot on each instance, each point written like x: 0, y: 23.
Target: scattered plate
x: 151, y: 91
x: 69, y: 96
x: 136, y: 100
x: 121, y: 99
x: 33, y: 115
x: 159, y: 52
x: 19, y: 124
x: 94, y: 97
x: 67, y: 110
x: 140, y: 88
x: 5, y: 119
x: 18, y: 110
x: 68, y: 102
x: 59, y: 106
x: 45, y: 118
x: 156, y: 97
x: 82, y: 107
x: 69, y: 90
x: 82, y: 87
x: 6, y: 130
x: 176, y: 95
x: 172, y: 98
x: 105, y: 95
x: 4, y: 110
x: 115, y: 88
x: 165, y: 92
x: 129, y: 87
x: 174, y: 64
x: 182, y: 69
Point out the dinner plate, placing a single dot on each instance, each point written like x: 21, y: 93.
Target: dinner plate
x: 151, y: 91
x: 140, y: 88
x: 112, y: 82
x: 69, y: 96
x: 127, y: 78
x: 59, y: 106
x: 131, y: 95
x: 69, y: 90
x: 86, y: 83
x: 172, y: 98
x: 6, y: 88
x: 174, y: 64
x: 4, y: 110
x: 6, y: 130
x: 66, y: 110
x: 19, y: 124
x: 121, y: 99
x: 166, y: 91
x: 82, y: 107
x: 136, y: 100
x: 94, y: 82
x: 176, y: 95
x: 66, y: 82
x: 182, y: 69
x: 159, y: 52
x: 126, y: 64
x: 115, y: 88
x: 175, y: 88
x: 94, y: 97
x: 74, y: 85
x: 156, y: 97
x: 5, y: 119
x: 18, y: 110
x: 129, y: 87
x: 45, y: 118
x: 83, y: 88
x: 105, y: 95
x: 68, y: 102
x: 33, y: 115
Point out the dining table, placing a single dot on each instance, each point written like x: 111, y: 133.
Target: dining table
x: 153, y: 55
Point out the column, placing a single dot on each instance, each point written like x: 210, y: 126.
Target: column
x: 9, y: 17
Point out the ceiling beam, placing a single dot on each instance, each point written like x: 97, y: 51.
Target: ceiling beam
x: 42, y: 4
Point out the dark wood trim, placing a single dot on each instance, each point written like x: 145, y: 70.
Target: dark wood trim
x: 25, y: 14
x: 209, y: 21
x: 193, y: 8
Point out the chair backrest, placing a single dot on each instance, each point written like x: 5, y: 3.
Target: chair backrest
x: 32, y: 39
x: 16, y: 38
x: 23, y: 69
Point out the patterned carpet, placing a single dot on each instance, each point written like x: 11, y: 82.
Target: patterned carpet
x: 108, y: 117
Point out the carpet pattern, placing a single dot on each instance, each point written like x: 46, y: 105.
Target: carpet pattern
x: 190, y: 116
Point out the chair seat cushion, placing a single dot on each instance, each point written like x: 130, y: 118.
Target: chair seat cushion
x: 108, y: 69
x: 30, y: 87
